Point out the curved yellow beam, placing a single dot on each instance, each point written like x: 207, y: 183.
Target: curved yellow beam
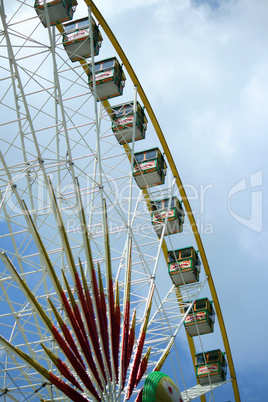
x: 181, y: 189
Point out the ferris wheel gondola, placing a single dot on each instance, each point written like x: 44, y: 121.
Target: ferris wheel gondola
x: 88, y: 220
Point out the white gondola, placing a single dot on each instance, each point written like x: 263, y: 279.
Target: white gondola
x: 76, y: 39
x: 58, y: 10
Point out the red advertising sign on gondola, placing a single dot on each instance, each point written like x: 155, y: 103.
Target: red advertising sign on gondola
x: 181, y: 264
x: 124, y: 120
x: 145, y: 166
x: 210, y: 368
x: 201, y: 315
x: 103, y: 75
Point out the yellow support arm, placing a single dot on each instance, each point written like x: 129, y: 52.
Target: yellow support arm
x: 181, y: 189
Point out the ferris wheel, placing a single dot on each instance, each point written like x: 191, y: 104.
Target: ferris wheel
x: 100, y: 285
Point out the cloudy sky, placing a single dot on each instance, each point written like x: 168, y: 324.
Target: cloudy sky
x: 203, y: 65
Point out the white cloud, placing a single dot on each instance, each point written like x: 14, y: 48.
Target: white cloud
x: 206, y: 76
x: 255, y: 93
x: 205, y: 72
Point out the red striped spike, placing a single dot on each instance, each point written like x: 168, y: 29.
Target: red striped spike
x: 75, y: 307
x: 91, y: 324
x: 80, y: 370
x: 111, y: 319
x: 113, y: 326
x: 100, y: 322
x: 125, y: 341
x: 117, y: 305
x: 141, y: 340
x: 136, y: 364
x: 131, y: 338
x: 157, y: 368
x: 77, y: 331
x: 102, y: 297
x: 69, y: 256
x: 125, y: 333
x: 95, y: 317
x: 24, y: 285
x: 139, y: 397
x: 101, y: 310
x: 53, y: 330
x: 91, y: 313
x: 67, y: 334
x: 55, y: 333
x: 89, y: 302
x: 80, y: 332
x: 65, y: 388
x: 110, y: 288
x: 117, y: 320
x: 68, y: 391
x: 143, y: 366
x: 61, y: 366
x: 102, y: 315
x: 88, y: 299
x: 117, y: 326
x: 48, y: 262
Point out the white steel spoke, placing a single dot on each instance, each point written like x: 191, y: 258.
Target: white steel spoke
x: 62, y: 171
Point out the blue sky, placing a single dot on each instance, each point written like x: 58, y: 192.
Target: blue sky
x: 203, y: 65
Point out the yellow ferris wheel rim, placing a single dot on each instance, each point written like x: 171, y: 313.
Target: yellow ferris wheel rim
x: 175, y: 173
